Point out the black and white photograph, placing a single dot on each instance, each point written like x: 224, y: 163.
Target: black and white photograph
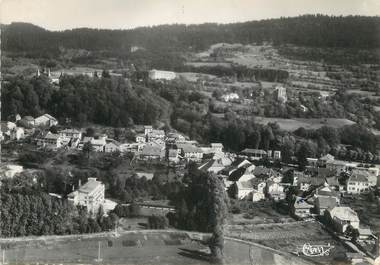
x: 190, y: 132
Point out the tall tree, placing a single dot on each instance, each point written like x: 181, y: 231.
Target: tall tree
x: 87, y: 149
x: 218, y: 202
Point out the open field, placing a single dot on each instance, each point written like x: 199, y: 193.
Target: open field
x: 135, y: 248
x: 294, y: 124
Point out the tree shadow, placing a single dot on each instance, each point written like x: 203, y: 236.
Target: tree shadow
x: 195, y: 254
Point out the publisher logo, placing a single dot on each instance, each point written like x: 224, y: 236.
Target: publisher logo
x: 316, y: 250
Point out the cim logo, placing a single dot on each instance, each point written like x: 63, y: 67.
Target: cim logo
x: 316, y: 250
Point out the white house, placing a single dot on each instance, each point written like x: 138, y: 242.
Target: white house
x: 111, y: 146
x: 98, y: 144
x: 259, y: 187
x: 50, y: 140
x: 147, y: 129
x: 45, y: 120
x: 357, y: 184
x: 140, y: 138
x: 190, y: 152
x: 275, y: 190
x: 70, y: 133
x: 216, y: 147
x: 90, y: 195
x: 156, y: 135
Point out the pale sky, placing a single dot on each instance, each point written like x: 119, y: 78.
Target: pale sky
x: 121, y: 14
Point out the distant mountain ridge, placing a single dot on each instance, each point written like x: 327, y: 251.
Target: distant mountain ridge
x: 307, y: 30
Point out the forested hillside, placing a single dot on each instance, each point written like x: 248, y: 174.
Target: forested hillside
x: 308, y: 30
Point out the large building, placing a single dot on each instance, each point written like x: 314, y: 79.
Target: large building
x: 161, y: 75
x: 90, y: 195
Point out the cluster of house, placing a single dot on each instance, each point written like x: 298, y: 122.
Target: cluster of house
x: 22, y: 127
x: 325, y: 181
x: 153, y: 144
x: 321, y: 185
x: 246, y: 181
x: 360, y: 177
x: 73, y: 138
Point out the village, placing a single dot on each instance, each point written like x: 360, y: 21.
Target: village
x: 329, y: 191
x: 244, y: 143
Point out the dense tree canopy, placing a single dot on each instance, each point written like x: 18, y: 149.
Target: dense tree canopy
x: 307, y: 30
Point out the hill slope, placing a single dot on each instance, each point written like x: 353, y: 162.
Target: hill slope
x: 307, y: 30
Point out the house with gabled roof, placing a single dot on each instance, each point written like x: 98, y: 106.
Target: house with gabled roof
x: 306, y: 183
x: 323, y: 203
x: 45, y: 120
x: 50, y: 140
x: 190, y: 152
x: 155, y: 135
x: 254, y: 154
x: 342, y: 218
x: 244, y: 189
x: 111, y: 146
x: 357, y: 184
x: 333, y: 183
x: 324, y: 159
x: 275, y: 190
x: 70, y: 133
x: 216, y: 165
x: 238, y: 163
x: 243, y: 173
x: 152, y: 151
